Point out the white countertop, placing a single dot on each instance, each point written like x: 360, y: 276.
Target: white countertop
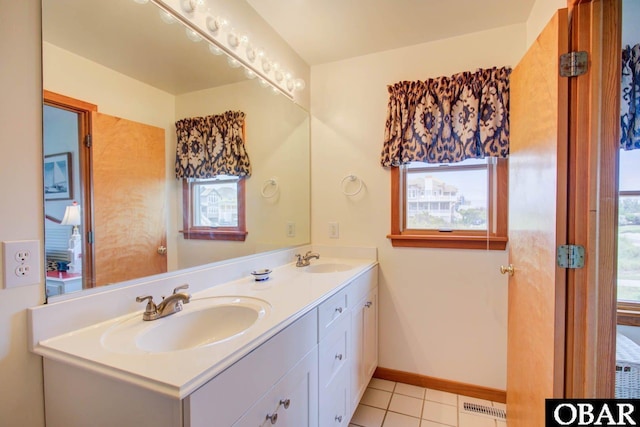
x: 290, y: 291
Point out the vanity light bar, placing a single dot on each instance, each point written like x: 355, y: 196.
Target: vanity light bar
x: 241, y: 52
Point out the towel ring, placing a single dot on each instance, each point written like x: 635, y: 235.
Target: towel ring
x: 270, y: 183
x: 351, y: 178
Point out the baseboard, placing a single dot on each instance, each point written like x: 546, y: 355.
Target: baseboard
x: 470, y: 390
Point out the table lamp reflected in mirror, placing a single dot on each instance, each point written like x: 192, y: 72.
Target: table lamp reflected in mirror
x: 72, y: 216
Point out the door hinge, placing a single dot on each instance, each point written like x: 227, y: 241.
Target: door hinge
x: 90, y: 237
x: 570, y: 256
x: 87, y: 140
x: 574, y: 64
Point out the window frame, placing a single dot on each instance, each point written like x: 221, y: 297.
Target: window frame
x: 189, y: 231
x: 628, y: 311
x: 495, y: 239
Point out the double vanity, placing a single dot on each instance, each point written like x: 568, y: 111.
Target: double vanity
x: 297, y: 349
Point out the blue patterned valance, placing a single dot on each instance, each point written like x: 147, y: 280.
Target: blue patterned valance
x: 448, y: 119
x: 211, y: 146
x: 630, y: 98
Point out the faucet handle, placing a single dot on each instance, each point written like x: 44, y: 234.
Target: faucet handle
x: 142, y: 299
x: 151, y: 306
x: 185, y: 286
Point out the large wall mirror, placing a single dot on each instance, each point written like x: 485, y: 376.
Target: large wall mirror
x: 125, y: 72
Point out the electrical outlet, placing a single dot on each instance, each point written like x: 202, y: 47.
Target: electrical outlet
x: 334, y: 230
x: 291, y: 229
x: 21, y: 263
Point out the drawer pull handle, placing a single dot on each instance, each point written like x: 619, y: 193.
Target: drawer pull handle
x: 273, y: 417
x: 339, y: 356
x: 339, y: 309
x: 339, y: 418
x: 285, y: 403
x: 368, y: 304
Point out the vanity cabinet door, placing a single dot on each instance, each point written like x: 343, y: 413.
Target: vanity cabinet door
x: 227, y: 397
x: 364, y: 344
x: 292, y: 402
x: 334, y: 402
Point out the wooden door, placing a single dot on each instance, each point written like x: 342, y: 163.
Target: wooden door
x: 128, y: 199
x: 537, y: 225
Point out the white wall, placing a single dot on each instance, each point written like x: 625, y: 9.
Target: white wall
x: 443, y: 313
x: 21, y: 211
x: 541, y: 13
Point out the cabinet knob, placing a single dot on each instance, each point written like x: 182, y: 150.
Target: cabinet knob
x: 339, y: 356
x: 507, y: 270
x: 162, y: 250
x: 339, y: 309
x: 368, y: 304
x: 273, y: 417
x: 339, y: 418
x: 285, y: 403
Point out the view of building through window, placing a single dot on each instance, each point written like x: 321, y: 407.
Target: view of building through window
x: 215, y: 202
x: 629, y: 227
x: 447, y: 196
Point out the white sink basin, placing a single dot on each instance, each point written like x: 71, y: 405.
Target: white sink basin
x: 202, y: 322
x: 328, y: 268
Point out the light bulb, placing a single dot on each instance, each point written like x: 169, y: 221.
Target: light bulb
x: 166, y: 17
x: 249, y: 73
x: 300, y: 84
x: 215, y: 49
x: 233, y: 63
x: 290, y: 85
x: 188, y: 5
x: 251, y: 53
x: 274, y: 90
x: 266, y: 65
x: 233, y: 40
x: 263, y: 82
x: 212, y: 24
x: 279, y: 76
x: 192, y: 35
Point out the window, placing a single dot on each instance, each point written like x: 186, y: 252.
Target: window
x: 213, y: 209
x: 453, y: 205
x: 629, y: 233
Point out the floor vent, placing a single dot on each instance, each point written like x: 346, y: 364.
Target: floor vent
x: 489, y: 411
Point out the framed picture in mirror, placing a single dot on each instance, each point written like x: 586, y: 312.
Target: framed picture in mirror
x: 57, y: 177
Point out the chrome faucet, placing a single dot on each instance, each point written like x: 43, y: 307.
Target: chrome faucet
x: 303, y: 261
x: 169, y: 305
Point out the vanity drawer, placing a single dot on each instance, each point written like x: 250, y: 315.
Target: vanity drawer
x: 334, y: 352
x: 362, y: 285
x: 331, y: 311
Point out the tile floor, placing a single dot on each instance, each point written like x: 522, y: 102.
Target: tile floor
x: 390, y: 404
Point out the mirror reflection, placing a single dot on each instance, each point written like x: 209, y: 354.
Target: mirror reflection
x: 117, y: 76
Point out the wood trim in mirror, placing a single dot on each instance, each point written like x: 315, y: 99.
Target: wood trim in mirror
x: 85, y: 126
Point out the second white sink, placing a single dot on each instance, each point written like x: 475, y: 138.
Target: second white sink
x: 202, y: 322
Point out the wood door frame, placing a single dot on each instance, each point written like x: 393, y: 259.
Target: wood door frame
x: 594, y: 131
x: 84, y: 110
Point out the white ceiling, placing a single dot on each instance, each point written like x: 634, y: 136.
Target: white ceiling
x: 329, y: 30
